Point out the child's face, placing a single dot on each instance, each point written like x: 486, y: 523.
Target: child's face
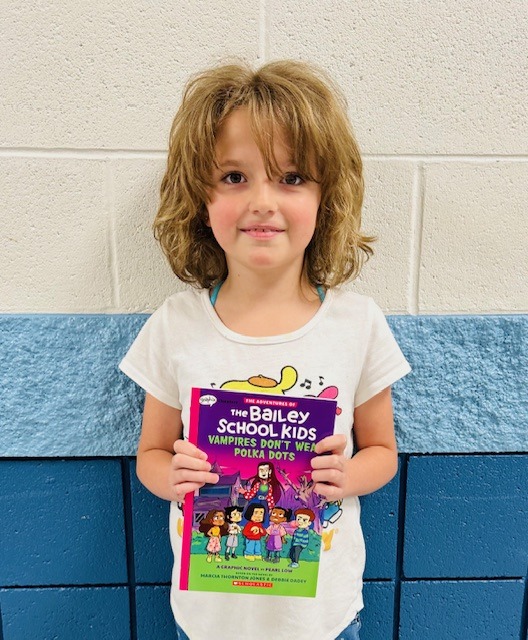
x: 235, y: 516
x: 303, y: 521
x: 277, y: 516
x: 260, y: 223
x: 258, y: 515
x: 218, y: 518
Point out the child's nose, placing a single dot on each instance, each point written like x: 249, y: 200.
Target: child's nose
x: 263, y: 198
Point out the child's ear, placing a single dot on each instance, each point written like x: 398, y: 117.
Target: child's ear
x: 204, y: 215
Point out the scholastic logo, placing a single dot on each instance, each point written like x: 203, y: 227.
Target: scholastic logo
x: 208, y: 401
x: 252, y: 583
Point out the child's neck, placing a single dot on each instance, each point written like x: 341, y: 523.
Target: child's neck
x: 260, y: 307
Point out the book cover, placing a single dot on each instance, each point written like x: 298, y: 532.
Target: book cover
x: 259, y: 529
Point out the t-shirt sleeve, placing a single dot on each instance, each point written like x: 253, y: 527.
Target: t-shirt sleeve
x: 384, y: 363
x: 148, y: 361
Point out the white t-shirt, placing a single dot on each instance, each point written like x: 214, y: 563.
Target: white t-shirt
x: 346, y: 352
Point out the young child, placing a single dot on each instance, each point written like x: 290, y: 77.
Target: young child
x: 214, y: 527
x: 260, y: 209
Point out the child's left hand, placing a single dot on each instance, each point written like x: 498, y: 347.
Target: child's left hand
x: 329, y: 470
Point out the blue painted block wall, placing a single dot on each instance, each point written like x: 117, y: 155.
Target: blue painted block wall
x: 84, y: 551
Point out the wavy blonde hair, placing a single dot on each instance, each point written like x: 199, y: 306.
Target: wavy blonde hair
x: 287, y: 96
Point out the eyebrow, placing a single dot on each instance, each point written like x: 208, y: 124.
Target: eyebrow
x: 229, y: 163
x: 289, y: 164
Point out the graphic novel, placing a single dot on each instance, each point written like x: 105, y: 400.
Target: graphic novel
x: 259, y: 529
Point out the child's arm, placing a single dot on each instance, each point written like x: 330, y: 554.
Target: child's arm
x: 374, y: 464
x: 168, y: 466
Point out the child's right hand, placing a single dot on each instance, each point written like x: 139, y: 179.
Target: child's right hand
x: 189, y: 470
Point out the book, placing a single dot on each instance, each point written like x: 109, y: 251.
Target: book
x: 258, y: 530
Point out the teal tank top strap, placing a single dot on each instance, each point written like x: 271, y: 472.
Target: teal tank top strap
x: 214, y: 293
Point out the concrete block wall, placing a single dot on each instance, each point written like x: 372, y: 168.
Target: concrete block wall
x: 437, y: 96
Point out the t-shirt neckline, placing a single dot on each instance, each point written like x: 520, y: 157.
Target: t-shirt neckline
x: 284, y: 337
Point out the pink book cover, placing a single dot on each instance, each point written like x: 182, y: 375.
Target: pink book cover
x: 259, y: 529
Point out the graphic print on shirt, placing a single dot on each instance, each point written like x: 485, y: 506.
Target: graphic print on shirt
x: 263, y: 384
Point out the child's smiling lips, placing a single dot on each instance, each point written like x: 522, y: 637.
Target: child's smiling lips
x: 262, y: 231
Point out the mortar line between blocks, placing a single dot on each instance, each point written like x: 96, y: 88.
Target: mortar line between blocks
x: 112, y: 233
x: 263, y: 32
x: 417, y: 220
x: 524, y: 612
x: 123, y: 153
x: 402, y: 506
x: 129, y: 545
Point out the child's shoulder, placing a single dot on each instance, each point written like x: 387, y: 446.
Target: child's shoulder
x: 179, y: 309
x: 190, y: 298
x: 348, y: 301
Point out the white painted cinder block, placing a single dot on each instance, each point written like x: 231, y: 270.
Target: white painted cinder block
x: 143, y: 274
x: 475, y: 236
x: 433, y: 77
x: 106, y: 75
x: 387, y: 214
x: 431, y: 80
x: 54, y: 228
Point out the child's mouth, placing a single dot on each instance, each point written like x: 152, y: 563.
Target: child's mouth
x: 262, y: 232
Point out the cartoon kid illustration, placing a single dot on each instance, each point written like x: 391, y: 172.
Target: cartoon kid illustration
x: 233, y: 515
x: 276, y: 533
x: 253, y: 532
x: 301, y: 536
x: 214, y: 527
x: 265, y: 488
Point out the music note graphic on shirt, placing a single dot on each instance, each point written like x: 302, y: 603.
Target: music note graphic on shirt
x: 321, y: 378
x: 307, y: 384
x: 213, y: 385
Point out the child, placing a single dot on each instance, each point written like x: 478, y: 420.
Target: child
x: 254, y: 531
x: 233, y: 516
x: 214, y: 527
x: 260, y: 208
x: 276, y: 533
x: 301, y: 536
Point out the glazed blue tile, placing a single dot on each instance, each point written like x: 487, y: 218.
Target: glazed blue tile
x: 377, y: 617
x: 62, y: 523
x: 154, y: 616
x: 65, y: 614
x: 379, y: 519
x: 476, y: 610
x: 466, y: 516
x: 153, y: 557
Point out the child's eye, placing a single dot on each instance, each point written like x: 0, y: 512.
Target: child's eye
x: 233, y: 178
x: 293, y: 179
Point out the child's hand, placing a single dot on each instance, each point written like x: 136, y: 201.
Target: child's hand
x: 189, y: 470
x: 329, y: 470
